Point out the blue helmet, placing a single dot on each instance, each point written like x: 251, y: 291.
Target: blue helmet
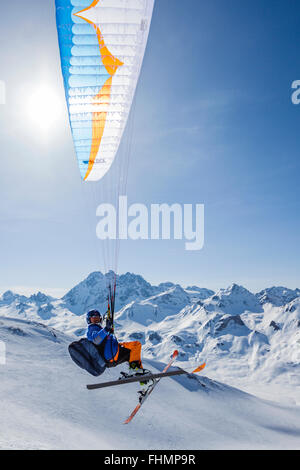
x: 93, y: 313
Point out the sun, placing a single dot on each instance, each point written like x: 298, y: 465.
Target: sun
x: 43, y: 108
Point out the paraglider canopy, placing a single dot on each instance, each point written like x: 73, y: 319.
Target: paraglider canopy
x: 102, y: 44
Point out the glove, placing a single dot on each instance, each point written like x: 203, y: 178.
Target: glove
x: 109, y: 325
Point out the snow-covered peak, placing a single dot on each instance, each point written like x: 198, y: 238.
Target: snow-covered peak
x: 40, y: 298
x: 234, y: 300
x: 155, y: 308
x: 277, y: 296
x: 92, y: 292
x: 175, y: 295
x: 163, y: 286
x: 198, y: 293
x: 9, y: 297
x: 88, y: 294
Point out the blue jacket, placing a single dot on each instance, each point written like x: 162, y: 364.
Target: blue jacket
x: 96, y: 334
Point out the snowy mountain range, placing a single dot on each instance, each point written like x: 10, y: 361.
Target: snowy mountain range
x: 238, y: 333
x: 44, y: 404
x: 250, y: 343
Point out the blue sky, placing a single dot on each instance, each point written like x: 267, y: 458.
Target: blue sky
x: 213, y: 124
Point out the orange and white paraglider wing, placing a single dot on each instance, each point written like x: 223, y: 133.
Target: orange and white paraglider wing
x: 102, y: 45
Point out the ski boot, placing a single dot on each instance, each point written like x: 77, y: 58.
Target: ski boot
x: 142, y: 394
x: 135, y: 370
x: 146, y: 386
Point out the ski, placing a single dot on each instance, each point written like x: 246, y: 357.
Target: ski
x: 164, y: 374
x: 135, y: 378
x: 143, y: 378
x: 156, y: 377
x: 138, y: 378
x: 150, y: 390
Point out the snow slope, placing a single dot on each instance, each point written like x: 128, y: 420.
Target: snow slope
x: 44, y: 405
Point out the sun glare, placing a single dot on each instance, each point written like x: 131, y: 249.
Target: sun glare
x: 43, y: 108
